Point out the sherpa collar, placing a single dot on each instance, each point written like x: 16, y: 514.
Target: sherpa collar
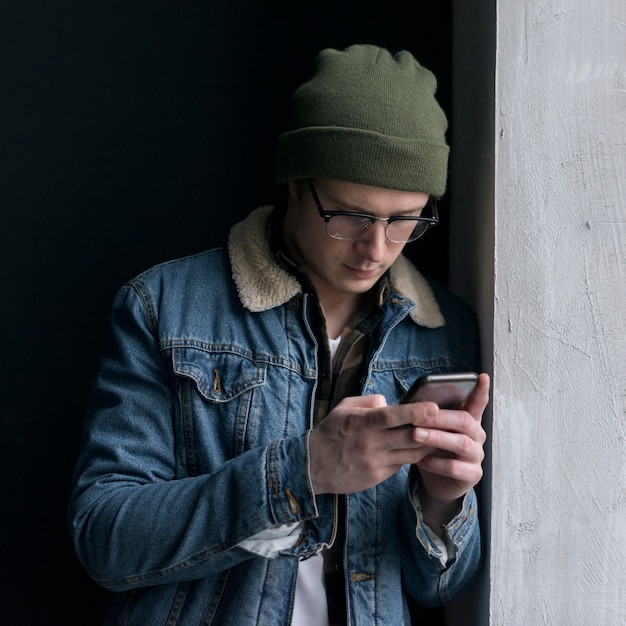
x: 263, y: 284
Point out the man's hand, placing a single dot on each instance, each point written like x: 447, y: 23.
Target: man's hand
x: 456, y: 439
x: 359, y: 445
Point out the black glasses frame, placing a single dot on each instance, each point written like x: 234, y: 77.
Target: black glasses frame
x: 326, y: 215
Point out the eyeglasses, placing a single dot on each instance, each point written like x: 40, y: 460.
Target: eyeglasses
x: 349, y: 226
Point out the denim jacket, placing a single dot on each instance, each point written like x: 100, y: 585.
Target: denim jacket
x: 196, y: 439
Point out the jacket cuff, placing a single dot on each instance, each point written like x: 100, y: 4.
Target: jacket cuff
x: 458, y: 531
x: 291, y: 495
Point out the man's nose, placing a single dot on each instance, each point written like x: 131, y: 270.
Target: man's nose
x: 373, y: 244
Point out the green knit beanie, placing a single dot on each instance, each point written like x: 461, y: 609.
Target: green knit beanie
x: 367, y: 117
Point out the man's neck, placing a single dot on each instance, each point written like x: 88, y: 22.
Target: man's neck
x: 338, y: 311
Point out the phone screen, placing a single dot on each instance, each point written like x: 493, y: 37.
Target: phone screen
x: 448, y: 391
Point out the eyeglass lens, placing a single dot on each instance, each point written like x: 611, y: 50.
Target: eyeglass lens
x: 352, y: 227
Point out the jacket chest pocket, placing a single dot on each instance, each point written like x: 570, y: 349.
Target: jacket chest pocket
x: 219, y: 398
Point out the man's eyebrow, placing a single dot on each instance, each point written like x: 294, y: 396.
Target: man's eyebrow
x: 353, y: 208
x: 357, y: 209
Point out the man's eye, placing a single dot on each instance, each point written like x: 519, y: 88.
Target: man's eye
x: 359, y: 219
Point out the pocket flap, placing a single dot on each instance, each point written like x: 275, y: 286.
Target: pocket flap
x: 218, y: 376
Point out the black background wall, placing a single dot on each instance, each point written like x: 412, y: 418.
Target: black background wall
x: 132, y: 133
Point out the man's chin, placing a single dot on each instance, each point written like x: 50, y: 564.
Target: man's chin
x: 360, y: 286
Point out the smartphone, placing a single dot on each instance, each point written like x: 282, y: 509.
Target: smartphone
x: 446, y: 390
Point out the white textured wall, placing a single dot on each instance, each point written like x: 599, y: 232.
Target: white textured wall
x: 558, y: 511
x: 554, y: 200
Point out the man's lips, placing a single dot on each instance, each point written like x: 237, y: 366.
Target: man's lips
x: 362, y: 273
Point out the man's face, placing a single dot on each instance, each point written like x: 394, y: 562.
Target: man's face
x: 340, y: 268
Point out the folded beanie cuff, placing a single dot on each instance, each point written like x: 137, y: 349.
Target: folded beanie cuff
x: 356, y: 155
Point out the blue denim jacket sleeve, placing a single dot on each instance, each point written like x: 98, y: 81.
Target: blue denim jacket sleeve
x: 462, y: 535
x: 136, y: 517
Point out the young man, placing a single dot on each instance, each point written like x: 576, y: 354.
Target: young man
x: 243, y: 461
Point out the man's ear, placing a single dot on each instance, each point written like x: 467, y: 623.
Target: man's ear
x: 294, y: 190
